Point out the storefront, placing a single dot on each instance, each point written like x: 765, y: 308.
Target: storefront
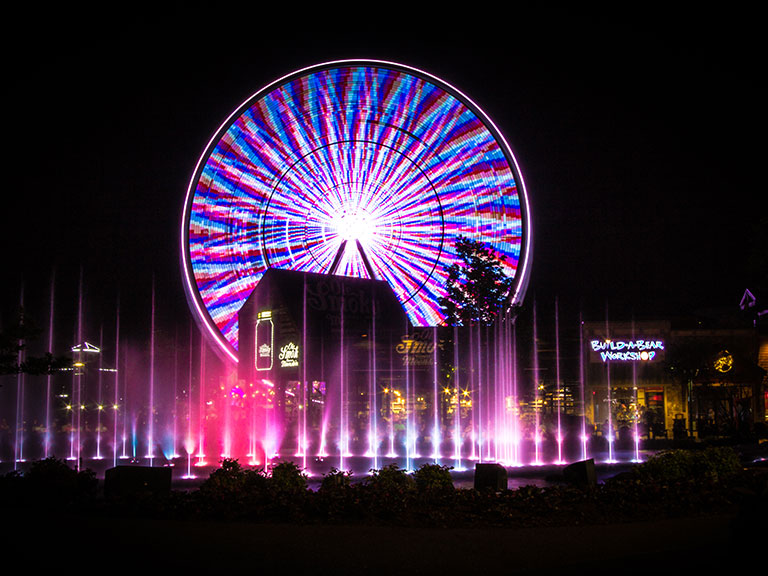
x: 672, y: 379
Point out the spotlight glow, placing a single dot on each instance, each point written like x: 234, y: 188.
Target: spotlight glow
x: 359, y: 168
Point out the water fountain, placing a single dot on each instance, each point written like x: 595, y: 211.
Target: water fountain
x: 451, y: 395
x: 18, y: 453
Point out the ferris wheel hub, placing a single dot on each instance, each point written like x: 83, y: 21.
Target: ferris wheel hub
x: 354, y: 225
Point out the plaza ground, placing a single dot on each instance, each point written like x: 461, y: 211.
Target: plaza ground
x: 662, y: 547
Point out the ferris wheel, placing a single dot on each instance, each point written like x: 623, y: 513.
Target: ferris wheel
x: 360, y: 168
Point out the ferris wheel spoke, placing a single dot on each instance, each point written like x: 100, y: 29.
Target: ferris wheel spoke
x: 361, y: 168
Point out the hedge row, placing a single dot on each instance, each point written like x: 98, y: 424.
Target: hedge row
x: 673, y: 483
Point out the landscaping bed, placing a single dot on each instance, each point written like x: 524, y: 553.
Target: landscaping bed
x: 671, y: 484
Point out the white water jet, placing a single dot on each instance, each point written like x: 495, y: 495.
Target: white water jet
x: 116, y: 402
x: 558, y: 387
x: 537, y: 396
x: 151, y: 411
x: 48, y: 379
x: 582, y: 386
x: 18, y: 455
x: 609, y: 401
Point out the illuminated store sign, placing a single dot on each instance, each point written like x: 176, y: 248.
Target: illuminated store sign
x: 289, y: 355
x: 414, y: 346
x: 265, y: 336
x: 635, y: 350
x: 417, y: 349
x: 724, y: 362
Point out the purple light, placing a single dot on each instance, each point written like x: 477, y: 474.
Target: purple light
x: 360, y: 168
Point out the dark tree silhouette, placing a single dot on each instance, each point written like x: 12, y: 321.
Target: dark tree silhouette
x: 14, y: 339
x: 477, y: 289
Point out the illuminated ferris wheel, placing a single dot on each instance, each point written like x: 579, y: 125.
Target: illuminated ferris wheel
x: 360, y: 168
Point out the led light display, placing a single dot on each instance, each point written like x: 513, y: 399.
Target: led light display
x: 629, y: 350
x: 359, y: 168
x: 265, y: 341
x: 289, y: 355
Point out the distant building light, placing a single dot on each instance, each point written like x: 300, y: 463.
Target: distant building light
x: 86, y: 347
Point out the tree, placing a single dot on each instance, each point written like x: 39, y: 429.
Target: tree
x: 477, y: 290
x: 13, y: 344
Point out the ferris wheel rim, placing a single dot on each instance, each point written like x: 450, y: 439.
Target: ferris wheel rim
x: 203, y: 315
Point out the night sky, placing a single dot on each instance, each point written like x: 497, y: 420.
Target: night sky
x: 640, y: 145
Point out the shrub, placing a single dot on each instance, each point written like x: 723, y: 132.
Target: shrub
x: 337, y: 498
x: 49, y: 484
x: 335, y: 481
x: 52, y: 481
x: 718, y: 463
x: 232, y: 491
x: 434, y: 480
x: 10, y: 487
x: 287, y: 489
x: 388, y: 493
x: 231, y: 479
x: 288, y: 479
x: 712, y: 464
x: 391, y: 480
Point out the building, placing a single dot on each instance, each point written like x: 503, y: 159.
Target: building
x: 329, y: 355
x: 699, y: 377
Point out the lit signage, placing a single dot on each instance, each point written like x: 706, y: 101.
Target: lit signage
x: 413, y: 346
x: 289, y: 356
x: 418, y: 348
x: 724, y: 362
x: 634, y: 350
x: 265, y: 335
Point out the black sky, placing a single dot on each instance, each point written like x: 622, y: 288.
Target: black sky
x: 639, y: 139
